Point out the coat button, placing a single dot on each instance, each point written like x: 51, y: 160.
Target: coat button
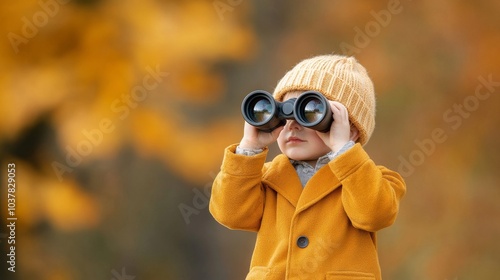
x: 302, y: 242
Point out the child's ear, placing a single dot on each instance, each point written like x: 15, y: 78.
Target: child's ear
x: 354, y: 133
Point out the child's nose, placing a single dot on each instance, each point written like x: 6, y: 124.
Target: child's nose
x: 292, y: 125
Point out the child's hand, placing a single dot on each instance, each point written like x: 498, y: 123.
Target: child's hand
x: 257, y: 139
x: 340, y: 131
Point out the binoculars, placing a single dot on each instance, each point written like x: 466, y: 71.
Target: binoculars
x: 311, y: 109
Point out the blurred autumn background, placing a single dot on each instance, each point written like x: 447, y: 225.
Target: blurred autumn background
x: 116, y: 114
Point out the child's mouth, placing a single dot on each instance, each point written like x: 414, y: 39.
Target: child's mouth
x: 294, y: 139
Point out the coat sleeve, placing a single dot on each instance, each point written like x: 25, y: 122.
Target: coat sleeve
x: 370, y: 193
x: 237, y: 199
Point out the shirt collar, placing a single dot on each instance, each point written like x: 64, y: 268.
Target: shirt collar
x: 319, y: 163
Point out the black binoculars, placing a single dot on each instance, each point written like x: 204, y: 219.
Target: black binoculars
x: 311, y: 109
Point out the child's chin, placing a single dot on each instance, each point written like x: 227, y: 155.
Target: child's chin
x: 298, y: 156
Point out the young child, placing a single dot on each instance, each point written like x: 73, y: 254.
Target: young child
x: 317, y: 206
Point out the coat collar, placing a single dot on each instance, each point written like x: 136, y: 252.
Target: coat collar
x: 321, y: 184
x: 287, y: 183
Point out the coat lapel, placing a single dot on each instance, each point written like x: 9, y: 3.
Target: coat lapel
x: 285, y: 181
x: 321, y: 184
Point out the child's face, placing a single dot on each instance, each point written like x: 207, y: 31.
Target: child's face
x: 298, y: 142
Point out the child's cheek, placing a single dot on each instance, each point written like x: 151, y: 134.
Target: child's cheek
x: 281, y: 143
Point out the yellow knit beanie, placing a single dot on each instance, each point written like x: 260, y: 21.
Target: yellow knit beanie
x: 339, y: 78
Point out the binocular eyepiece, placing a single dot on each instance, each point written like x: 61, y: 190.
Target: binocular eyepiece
x: 311, y: 109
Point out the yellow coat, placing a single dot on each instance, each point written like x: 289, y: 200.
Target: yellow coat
x: 325, y: 230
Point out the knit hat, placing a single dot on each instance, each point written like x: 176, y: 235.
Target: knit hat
x: 338, y: 78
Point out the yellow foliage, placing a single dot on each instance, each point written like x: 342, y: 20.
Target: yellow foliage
x: 198, y: 84
x: 63, y: 204
x: 191, y: 151
x: 67, y: 207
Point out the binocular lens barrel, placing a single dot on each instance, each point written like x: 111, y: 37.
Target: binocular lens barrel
x: 261, y: 110
x: 310, y: 109
x: 314, y: 111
